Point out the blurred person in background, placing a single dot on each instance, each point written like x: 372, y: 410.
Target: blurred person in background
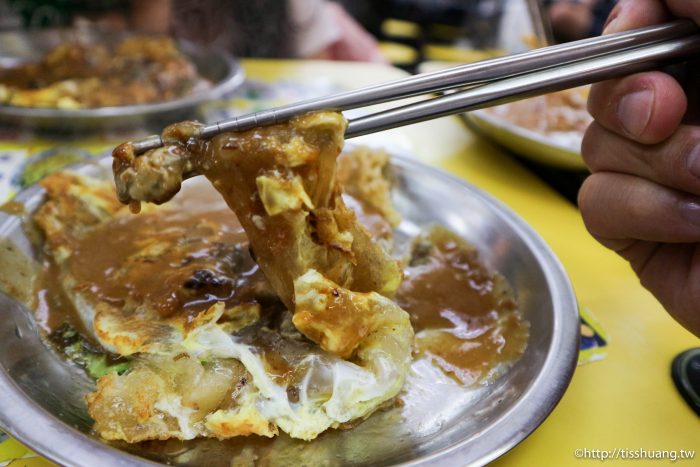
x: 577, y: 19
x: 261, y: 28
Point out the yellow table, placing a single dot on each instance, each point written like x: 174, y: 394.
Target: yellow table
x: 627, y: 400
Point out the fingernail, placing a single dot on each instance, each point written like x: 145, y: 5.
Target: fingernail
x: 634, y: 111
x: 690, y: 210
x: 694, y: 161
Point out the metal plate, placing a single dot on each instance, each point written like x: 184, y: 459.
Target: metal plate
x: 213, y: 64
x: 441, y: 423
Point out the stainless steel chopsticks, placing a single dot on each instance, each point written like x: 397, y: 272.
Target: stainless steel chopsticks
x: 528, y: 85
x: 489, y: 82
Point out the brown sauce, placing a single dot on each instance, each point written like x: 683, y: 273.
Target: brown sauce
x: 171, y: 262
x: 370, y: 218
x: 465, y: 317
x: 53, y: 307
x: 177, y: 261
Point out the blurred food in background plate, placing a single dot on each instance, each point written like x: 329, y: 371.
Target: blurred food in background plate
x: 561, y: 115
x: 547, y: 129
x: 74, y: 75
x: 84, y: 79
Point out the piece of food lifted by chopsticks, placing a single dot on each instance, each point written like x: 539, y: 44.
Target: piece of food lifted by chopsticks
x: 320, y: 262
x: 485, y: 84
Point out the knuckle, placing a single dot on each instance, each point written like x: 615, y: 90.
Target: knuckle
x: 673, y: 164
x: 688, y: 142
x: 593, y: 206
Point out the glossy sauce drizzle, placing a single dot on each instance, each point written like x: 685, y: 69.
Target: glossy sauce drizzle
x: 182, y: 260
x: 465, y: 317
x: 177, y: 261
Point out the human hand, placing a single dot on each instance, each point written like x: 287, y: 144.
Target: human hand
x: 643, y: 149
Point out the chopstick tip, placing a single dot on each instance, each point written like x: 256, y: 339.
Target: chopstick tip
x: 146, y: 144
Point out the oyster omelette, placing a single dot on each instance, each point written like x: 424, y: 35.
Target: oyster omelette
x: 282, y: 310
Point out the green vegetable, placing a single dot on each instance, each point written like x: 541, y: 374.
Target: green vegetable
x: 46, y: 163
x: 96, y: 362
x: 99, y: 366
